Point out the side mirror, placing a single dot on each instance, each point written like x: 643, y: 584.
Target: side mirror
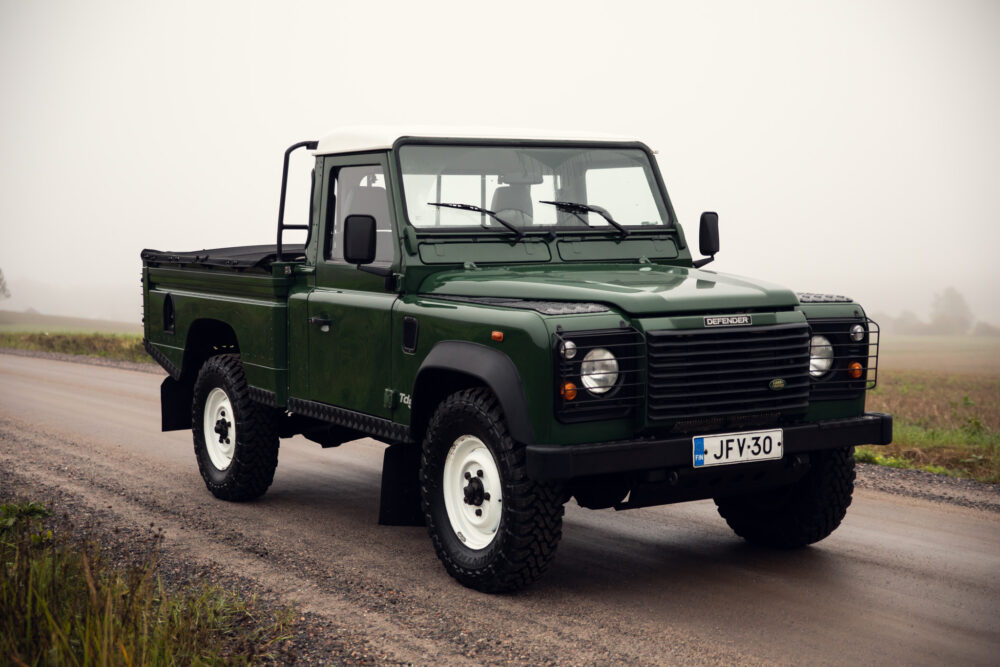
x: 359, y: 239
x: 708, y: 236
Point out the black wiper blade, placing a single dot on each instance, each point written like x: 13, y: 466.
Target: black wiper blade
x: 576, y: 207
x: 477, y: 209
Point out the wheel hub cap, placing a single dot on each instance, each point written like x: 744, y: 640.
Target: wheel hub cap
x: 222, y: 427
x: 474, y: 492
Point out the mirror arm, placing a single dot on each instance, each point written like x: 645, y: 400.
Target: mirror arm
x: 702, y: 262
x: 381, y: 271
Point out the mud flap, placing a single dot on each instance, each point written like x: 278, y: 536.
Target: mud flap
x: 175, y: 405
x: 399, y: 504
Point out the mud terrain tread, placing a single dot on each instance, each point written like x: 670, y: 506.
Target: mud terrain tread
x: 256, y: 456
x: 532, y: 525
x: 804, y: 513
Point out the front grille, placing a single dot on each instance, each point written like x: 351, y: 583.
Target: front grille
x: 728, y: 375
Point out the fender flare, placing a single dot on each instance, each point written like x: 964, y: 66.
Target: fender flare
x: 491, y: 367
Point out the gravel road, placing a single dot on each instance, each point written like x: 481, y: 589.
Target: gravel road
x: 912, y: 576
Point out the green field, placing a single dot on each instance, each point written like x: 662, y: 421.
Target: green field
x: 944, y: 395
x: 123, y: 347
x: 14, y: 322
x: 71, y: 335
x: 961, y: 355
x: 946, y: 423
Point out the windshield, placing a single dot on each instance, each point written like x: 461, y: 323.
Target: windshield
x: 520, y: 185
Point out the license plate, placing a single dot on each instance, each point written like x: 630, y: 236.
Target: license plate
x: 744, y: 447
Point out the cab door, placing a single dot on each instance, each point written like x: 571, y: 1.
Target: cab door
x: 349, y: 311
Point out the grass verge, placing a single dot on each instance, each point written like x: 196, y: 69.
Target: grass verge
x: 62, y: 602
x: 944, y: 423
x: 122, y: 347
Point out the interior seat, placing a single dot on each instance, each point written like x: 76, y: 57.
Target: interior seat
x: 513, y: 202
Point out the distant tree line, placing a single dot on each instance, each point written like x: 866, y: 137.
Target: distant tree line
x: 950, y: 316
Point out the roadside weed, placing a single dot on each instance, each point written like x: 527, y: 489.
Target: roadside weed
x: 62, y: 602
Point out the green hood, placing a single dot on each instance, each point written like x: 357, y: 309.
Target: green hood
x: 637, y: 290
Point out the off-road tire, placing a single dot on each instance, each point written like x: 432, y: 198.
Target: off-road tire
x: 531, y: 521
x: 798, y: 514
x: 255, y: 456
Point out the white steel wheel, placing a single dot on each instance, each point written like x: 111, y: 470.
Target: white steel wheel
x: 235, y: 439
x: 472, y: 493
x: 219, y: 424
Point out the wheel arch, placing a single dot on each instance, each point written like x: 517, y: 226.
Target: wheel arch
x: 206, y: 337
x: 455, y: 365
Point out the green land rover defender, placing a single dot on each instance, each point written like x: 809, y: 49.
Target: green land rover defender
x: 521, y: 320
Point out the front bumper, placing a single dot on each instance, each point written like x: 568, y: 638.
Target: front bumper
x: 564, y: 462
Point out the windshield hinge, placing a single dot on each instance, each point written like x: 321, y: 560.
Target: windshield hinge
x: 644, y: 260
x: 471, y: 266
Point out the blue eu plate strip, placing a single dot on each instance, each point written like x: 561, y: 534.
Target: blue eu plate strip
x: 699, y: 452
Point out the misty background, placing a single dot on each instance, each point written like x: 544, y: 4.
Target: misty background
x: 849, y: 147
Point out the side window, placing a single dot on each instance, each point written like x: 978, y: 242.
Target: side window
x: 359, y: 191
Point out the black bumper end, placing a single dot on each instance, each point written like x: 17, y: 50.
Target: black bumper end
x: 563, y: 462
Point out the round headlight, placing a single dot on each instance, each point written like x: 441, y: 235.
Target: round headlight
x: 567, y: 349
x: 857, y: 333
x: 820, y: 356
x: 599, y: 371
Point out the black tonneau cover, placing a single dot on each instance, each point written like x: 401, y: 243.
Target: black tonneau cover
x: 240, y: 257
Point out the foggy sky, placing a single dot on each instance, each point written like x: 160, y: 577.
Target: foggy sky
x: 849, y: 147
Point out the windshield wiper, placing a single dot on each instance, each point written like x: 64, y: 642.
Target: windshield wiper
x: 469, y: 207
x: 575, y: 208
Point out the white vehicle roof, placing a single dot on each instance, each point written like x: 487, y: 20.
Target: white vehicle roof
x: 382, y: 137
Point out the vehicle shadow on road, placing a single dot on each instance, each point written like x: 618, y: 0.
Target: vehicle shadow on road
x: 691, y: 559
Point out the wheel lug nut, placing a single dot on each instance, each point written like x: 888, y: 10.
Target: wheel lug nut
x: 468, y: 475
x: 479, y: 512
x: 486, y: 496
x: 479, y: 473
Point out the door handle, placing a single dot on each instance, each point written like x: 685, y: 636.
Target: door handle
x: 322, y: 322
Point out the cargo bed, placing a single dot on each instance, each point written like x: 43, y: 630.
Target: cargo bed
x: 238, y: 257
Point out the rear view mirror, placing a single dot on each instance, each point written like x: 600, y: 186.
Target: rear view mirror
x: 708, y: 236
x: 359, y: 239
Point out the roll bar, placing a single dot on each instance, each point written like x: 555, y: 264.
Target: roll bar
x: 311, y: 145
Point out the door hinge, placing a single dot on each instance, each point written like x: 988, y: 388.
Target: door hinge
x: 389, y: 399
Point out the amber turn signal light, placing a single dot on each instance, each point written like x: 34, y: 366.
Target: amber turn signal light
x: 497, y: 336
x: 855, y: 370
x: 568, y: 391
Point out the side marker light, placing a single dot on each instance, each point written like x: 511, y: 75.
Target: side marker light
x: 497, y: 336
